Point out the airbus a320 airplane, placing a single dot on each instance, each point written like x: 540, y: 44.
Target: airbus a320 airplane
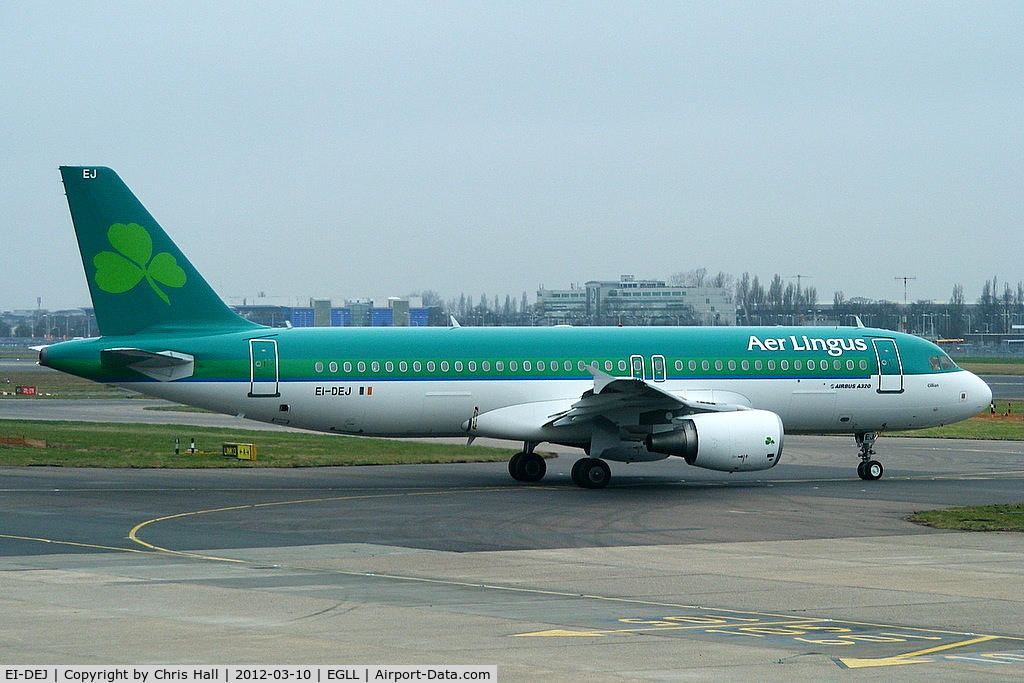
x: 717, y: 397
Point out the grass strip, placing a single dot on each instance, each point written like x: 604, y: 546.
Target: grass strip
x: 984, y: 518
x: 992, y: 366
x: 89, y: 444
x: 1003, y: 425
x: 53, y: 384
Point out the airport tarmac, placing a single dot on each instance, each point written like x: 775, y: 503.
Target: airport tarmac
x: 671, y: 573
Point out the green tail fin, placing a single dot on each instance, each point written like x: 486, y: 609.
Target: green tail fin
x: 138, y: 278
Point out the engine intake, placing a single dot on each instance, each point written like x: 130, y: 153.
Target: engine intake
x: 740, y: 441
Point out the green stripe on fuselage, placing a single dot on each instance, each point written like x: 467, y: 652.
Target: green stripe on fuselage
x: 344, y: 354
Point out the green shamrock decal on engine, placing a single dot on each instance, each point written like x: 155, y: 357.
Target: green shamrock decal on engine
x: 119, y: 272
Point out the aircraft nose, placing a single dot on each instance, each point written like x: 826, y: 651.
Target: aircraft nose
x: 978, y: 393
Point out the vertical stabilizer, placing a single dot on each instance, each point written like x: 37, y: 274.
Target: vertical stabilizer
x: 138, y: 278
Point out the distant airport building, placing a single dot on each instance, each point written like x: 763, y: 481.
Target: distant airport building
x: 391, y: 312
x: 629, y: 301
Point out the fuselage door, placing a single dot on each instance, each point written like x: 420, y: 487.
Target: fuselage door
x: 636, y: 365
x: 659, y: 368
x: 263, y: 368
x: 890, y: 370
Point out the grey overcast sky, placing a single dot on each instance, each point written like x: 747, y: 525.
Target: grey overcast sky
x: 346, y: 149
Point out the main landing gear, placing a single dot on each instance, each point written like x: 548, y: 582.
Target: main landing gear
x: 588, y: 473
x: 591, y: 473
x: 527, y: 466
x: 868, y: 469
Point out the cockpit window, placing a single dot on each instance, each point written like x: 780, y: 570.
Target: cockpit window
x: 941, y: 362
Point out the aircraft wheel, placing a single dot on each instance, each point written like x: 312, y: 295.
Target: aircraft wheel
x: 531, y: 468
x: 575, y: 472
x: 860, y: 470
x: 591, y: 473
x: 514, y: 466
x: 872, y: 470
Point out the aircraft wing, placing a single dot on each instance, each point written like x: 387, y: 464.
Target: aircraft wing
x: 624, y: 401
x: 617, y: 411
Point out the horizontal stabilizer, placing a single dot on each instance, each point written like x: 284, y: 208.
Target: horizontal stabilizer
x: 164, y: 366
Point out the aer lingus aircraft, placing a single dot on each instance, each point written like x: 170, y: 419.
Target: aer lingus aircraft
x: 719, y: 398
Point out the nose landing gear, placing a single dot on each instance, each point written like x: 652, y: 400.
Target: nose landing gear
x: 868, y: 469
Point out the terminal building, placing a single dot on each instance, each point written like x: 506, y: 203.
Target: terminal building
x: 630, y: 301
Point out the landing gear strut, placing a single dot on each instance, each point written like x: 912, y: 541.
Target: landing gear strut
x: 868, y: 469
x: 527, y: 466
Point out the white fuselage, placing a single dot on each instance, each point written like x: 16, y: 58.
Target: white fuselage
x: 441, y: 407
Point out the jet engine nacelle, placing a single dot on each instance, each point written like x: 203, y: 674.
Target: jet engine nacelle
x: 740, y: 441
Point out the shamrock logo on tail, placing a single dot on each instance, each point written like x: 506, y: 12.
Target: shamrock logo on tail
x: 134, y: 260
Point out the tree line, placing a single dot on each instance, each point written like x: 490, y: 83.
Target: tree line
x: 996, y: 311
x: 787, y: 301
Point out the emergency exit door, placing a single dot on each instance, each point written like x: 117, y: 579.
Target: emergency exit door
x: 657, y: 370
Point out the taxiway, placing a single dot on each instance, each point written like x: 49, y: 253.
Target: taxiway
x: 670, y: 573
